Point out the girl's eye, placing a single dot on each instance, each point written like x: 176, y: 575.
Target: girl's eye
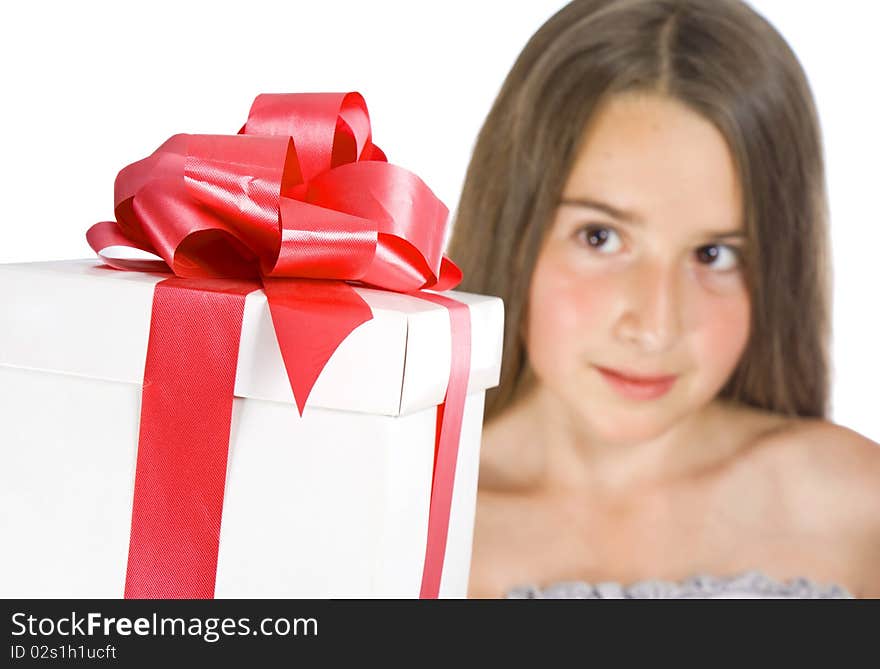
x: 603, y: 239
x: 718, y: 257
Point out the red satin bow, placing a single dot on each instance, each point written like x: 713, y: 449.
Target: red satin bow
x: 298, y: 203
x: 301, y: 192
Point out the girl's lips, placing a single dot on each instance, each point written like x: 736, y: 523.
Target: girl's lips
x: 637, y: 387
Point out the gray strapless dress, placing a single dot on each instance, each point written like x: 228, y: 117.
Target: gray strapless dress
x: 752, y: 584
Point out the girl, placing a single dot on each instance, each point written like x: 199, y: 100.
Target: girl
x: 647, y: 195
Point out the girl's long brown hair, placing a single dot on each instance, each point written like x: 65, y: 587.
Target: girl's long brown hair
x: 730, y: 65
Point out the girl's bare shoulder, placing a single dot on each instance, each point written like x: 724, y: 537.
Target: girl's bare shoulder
x: 815, y: 449
x: 828, y: 476
x: 820, y: 459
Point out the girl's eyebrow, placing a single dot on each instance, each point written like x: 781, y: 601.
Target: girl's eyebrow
x: 604, y: 207
x: 630, y: 217
x: 729, y: 234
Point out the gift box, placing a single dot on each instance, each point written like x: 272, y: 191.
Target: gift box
x: 330, y: 503
x: 265, y: 385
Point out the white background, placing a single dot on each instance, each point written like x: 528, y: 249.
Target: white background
x: 89, y: 87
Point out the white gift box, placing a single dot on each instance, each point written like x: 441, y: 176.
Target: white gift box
x: 333, y: 503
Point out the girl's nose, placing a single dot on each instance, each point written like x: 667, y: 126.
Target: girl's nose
x: 650, y: 316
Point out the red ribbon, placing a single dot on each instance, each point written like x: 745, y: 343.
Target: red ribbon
x: 299, y: 203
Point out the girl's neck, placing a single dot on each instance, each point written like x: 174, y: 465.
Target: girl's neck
x: 537, y: 446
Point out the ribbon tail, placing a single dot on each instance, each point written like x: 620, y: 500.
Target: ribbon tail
x: 448, y: 434
x: 186, y: 415
x: 311, y: 318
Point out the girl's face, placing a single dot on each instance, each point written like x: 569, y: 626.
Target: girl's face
x: 640, y: 274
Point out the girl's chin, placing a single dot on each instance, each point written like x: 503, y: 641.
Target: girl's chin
x: 629, y: 426
x: 629, y: 436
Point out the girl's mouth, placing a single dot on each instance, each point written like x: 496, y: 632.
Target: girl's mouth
x: 637, y: 387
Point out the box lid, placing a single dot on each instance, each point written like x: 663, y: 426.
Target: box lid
x: 82, y: 317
